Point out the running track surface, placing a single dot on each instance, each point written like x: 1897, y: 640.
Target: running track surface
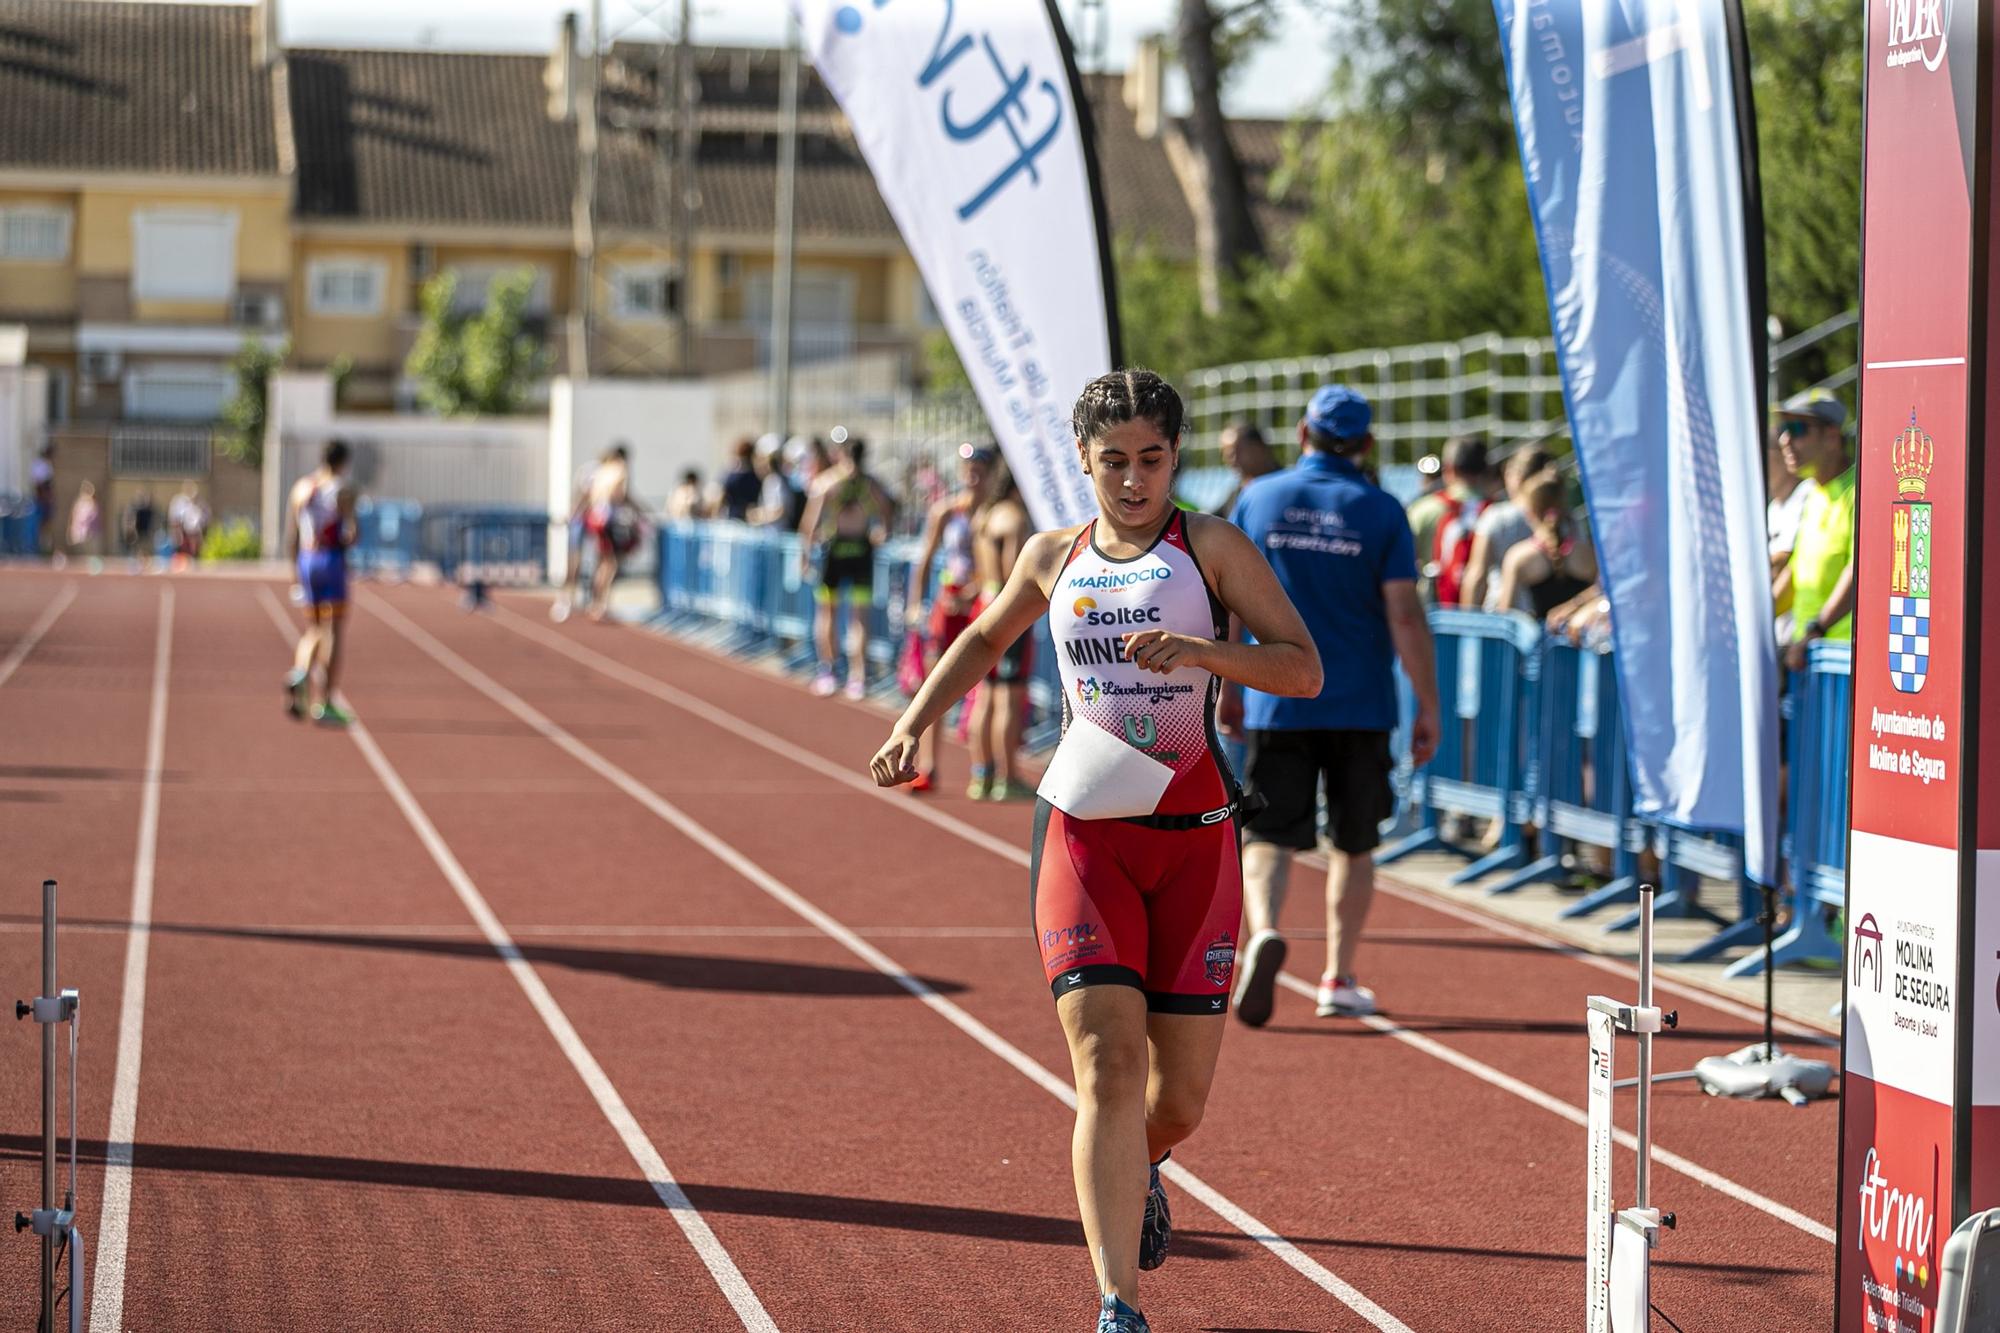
x: 586, y: 986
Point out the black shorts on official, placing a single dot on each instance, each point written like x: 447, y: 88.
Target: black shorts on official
x: 1286, y: 768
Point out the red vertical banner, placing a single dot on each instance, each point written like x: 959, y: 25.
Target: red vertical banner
x: 1982, y: 1001
x: 1903, y: 1091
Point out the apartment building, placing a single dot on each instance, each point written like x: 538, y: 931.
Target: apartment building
x: 173, y: 181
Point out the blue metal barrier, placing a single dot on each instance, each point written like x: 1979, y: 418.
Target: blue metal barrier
x: 500, y: 549
x: 18, y: 535
x: 1489, y: 674
x: 1816, y: 817
x: 1582, y: 782
x: 386, y: 535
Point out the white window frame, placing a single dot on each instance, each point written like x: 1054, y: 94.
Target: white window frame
x: 213, y: 373
x: 377, y: 276
x: 656, y: 272
x: 177, y: 281
x: 47, y: 214
x: 484, y: 271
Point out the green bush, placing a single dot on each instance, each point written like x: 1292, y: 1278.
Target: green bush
x: 233, y: 539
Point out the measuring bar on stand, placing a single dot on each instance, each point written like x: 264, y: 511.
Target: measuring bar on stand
x: 56, y: 1226
x: 1622, y: 1240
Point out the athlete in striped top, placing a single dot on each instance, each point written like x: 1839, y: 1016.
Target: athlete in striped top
x: 1138, y: 889
x: 320, y: 527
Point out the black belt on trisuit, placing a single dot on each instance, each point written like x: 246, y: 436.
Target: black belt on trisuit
x: 1243, y: 803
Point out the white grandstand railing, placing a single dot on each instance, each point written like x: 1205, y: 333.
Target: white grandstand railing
x: 1506, y: 389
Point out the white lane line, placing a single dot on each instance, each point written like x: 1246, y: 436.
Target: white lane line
x: 57, y: 605
x: 1919, y: 362
x: 715, y: 716
x: 1308, y: 1267
x: 1556, y: 1106
x: 720, y: 1266
x: 107, y: 1307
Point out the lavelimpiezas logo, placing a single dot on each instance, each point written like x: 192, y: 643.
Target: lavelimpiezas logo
x: 1918, y: 30
x: 1913, y: 455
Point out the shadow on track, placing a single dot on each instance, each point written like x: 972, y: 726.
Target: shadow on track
x: 675, y: 971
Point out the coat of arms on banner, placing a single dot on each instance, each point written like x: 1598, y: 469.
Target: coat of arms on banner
x: 1910, y: 555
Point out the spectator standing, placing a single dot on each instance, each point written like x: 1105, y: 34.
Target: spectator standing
x: 85, y: 519
x: 1342, y: 550
x: 848, y: 515
x: 686, y: 501
x: 187, y: 520
x: 779, y: 503
x: 1001, y: 528
x: 1782, y: 513
x: 1817, y: 583
x: 1557, y: 562
x: 1443, y: 522
x: 138, y: 526
x: 42, y: 479
x: 1501, y: 527
x: 947, y: 534
x: 1248, y: 454
x: 741, y: 487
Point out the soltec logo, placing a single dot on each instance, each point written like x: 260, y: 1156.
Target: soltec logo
x: 1084, y: 606
x: 1867, y: 951
x: 1917, y: 32
x: 1902, y: 1218
x: 1124, y: 615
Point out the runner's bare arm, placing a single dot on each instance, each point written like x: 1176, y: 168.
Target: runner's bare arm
x: 1022, y: 602
x: 343, y: 503
x: 1410, y: 631
x: 1282, y: 661
x: 809, y: 524
x: 292, y: 525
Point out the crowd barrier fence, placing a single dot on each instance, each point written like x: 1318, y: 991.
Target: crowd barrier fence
x: 1532, y: 738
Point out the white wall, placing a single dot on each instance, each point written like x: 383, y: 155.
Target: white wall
x: 24, y: 400
x: 500, y: 461
x: 668, y: 425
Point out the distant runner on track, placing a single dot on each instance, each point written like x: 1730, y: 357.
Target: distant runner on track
x: 319, y: 529
x: 1137, y: 887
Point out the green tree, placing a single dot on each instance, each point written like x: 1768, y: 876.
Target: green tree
x: 241, y: 435
x: 484, y: 363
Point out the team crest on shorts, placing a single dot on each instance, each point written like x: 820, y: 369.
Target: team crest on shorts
x: 1220, y: 961
x: 1910, y: 555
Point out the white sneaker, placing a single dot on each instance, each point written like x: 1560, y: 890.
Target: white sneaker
x: 824, y: 684
x: 1341, y: 996
x: 856, y: 690
x: 559, y: 610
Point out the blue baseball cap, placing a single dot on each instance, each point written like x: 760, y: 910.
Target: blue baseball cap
x: 1338, y: 412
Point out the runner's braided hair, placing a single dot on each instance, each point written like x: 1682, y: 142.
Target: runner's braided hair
x: 1126, y: 395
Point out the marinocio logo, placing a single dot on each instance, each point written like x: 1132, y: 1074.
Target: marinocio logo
x: 1918, y: 30
x: 1082, y: 606
x: 1122, y: 579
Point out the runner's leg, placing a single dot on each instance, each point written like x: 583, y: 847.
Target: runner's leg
x: 1181, y: 1069
x: 1106, y: 1030
x: 333, y: 635
x: 1266, y: 869
x: 1350, y: 892
x: 1010, y: 714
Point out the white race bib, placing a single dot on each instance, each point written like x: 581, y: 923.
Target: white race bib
x: 1095, y: 775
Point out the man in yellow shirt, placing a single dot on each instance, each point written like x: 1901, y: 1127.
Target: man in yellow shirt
x: 1817, y: 583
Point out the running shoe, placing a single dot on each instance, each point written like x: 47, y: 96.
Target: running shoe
x: 1115, y: 1316
x: 981, y: 785
x: 824, y: 684
x: 856, y: 690
x: 1156, y: 1233
x: 559, y: 610
x: 1257, y: 987
x: 295, y: 693
x: 331, y: 714
x: 1343, y: 996
x: 922, y: 782
x: 1010, y: 791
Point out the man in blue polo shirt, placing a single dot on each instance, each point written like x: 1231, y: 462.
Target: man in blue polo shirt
x: 1341, y: 547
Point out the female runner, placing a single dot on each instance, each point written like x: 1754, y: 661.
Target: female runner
x: 1136, y: 879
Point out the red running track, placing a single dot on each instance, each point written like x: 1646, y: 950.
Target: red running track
x: 588, y: 984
